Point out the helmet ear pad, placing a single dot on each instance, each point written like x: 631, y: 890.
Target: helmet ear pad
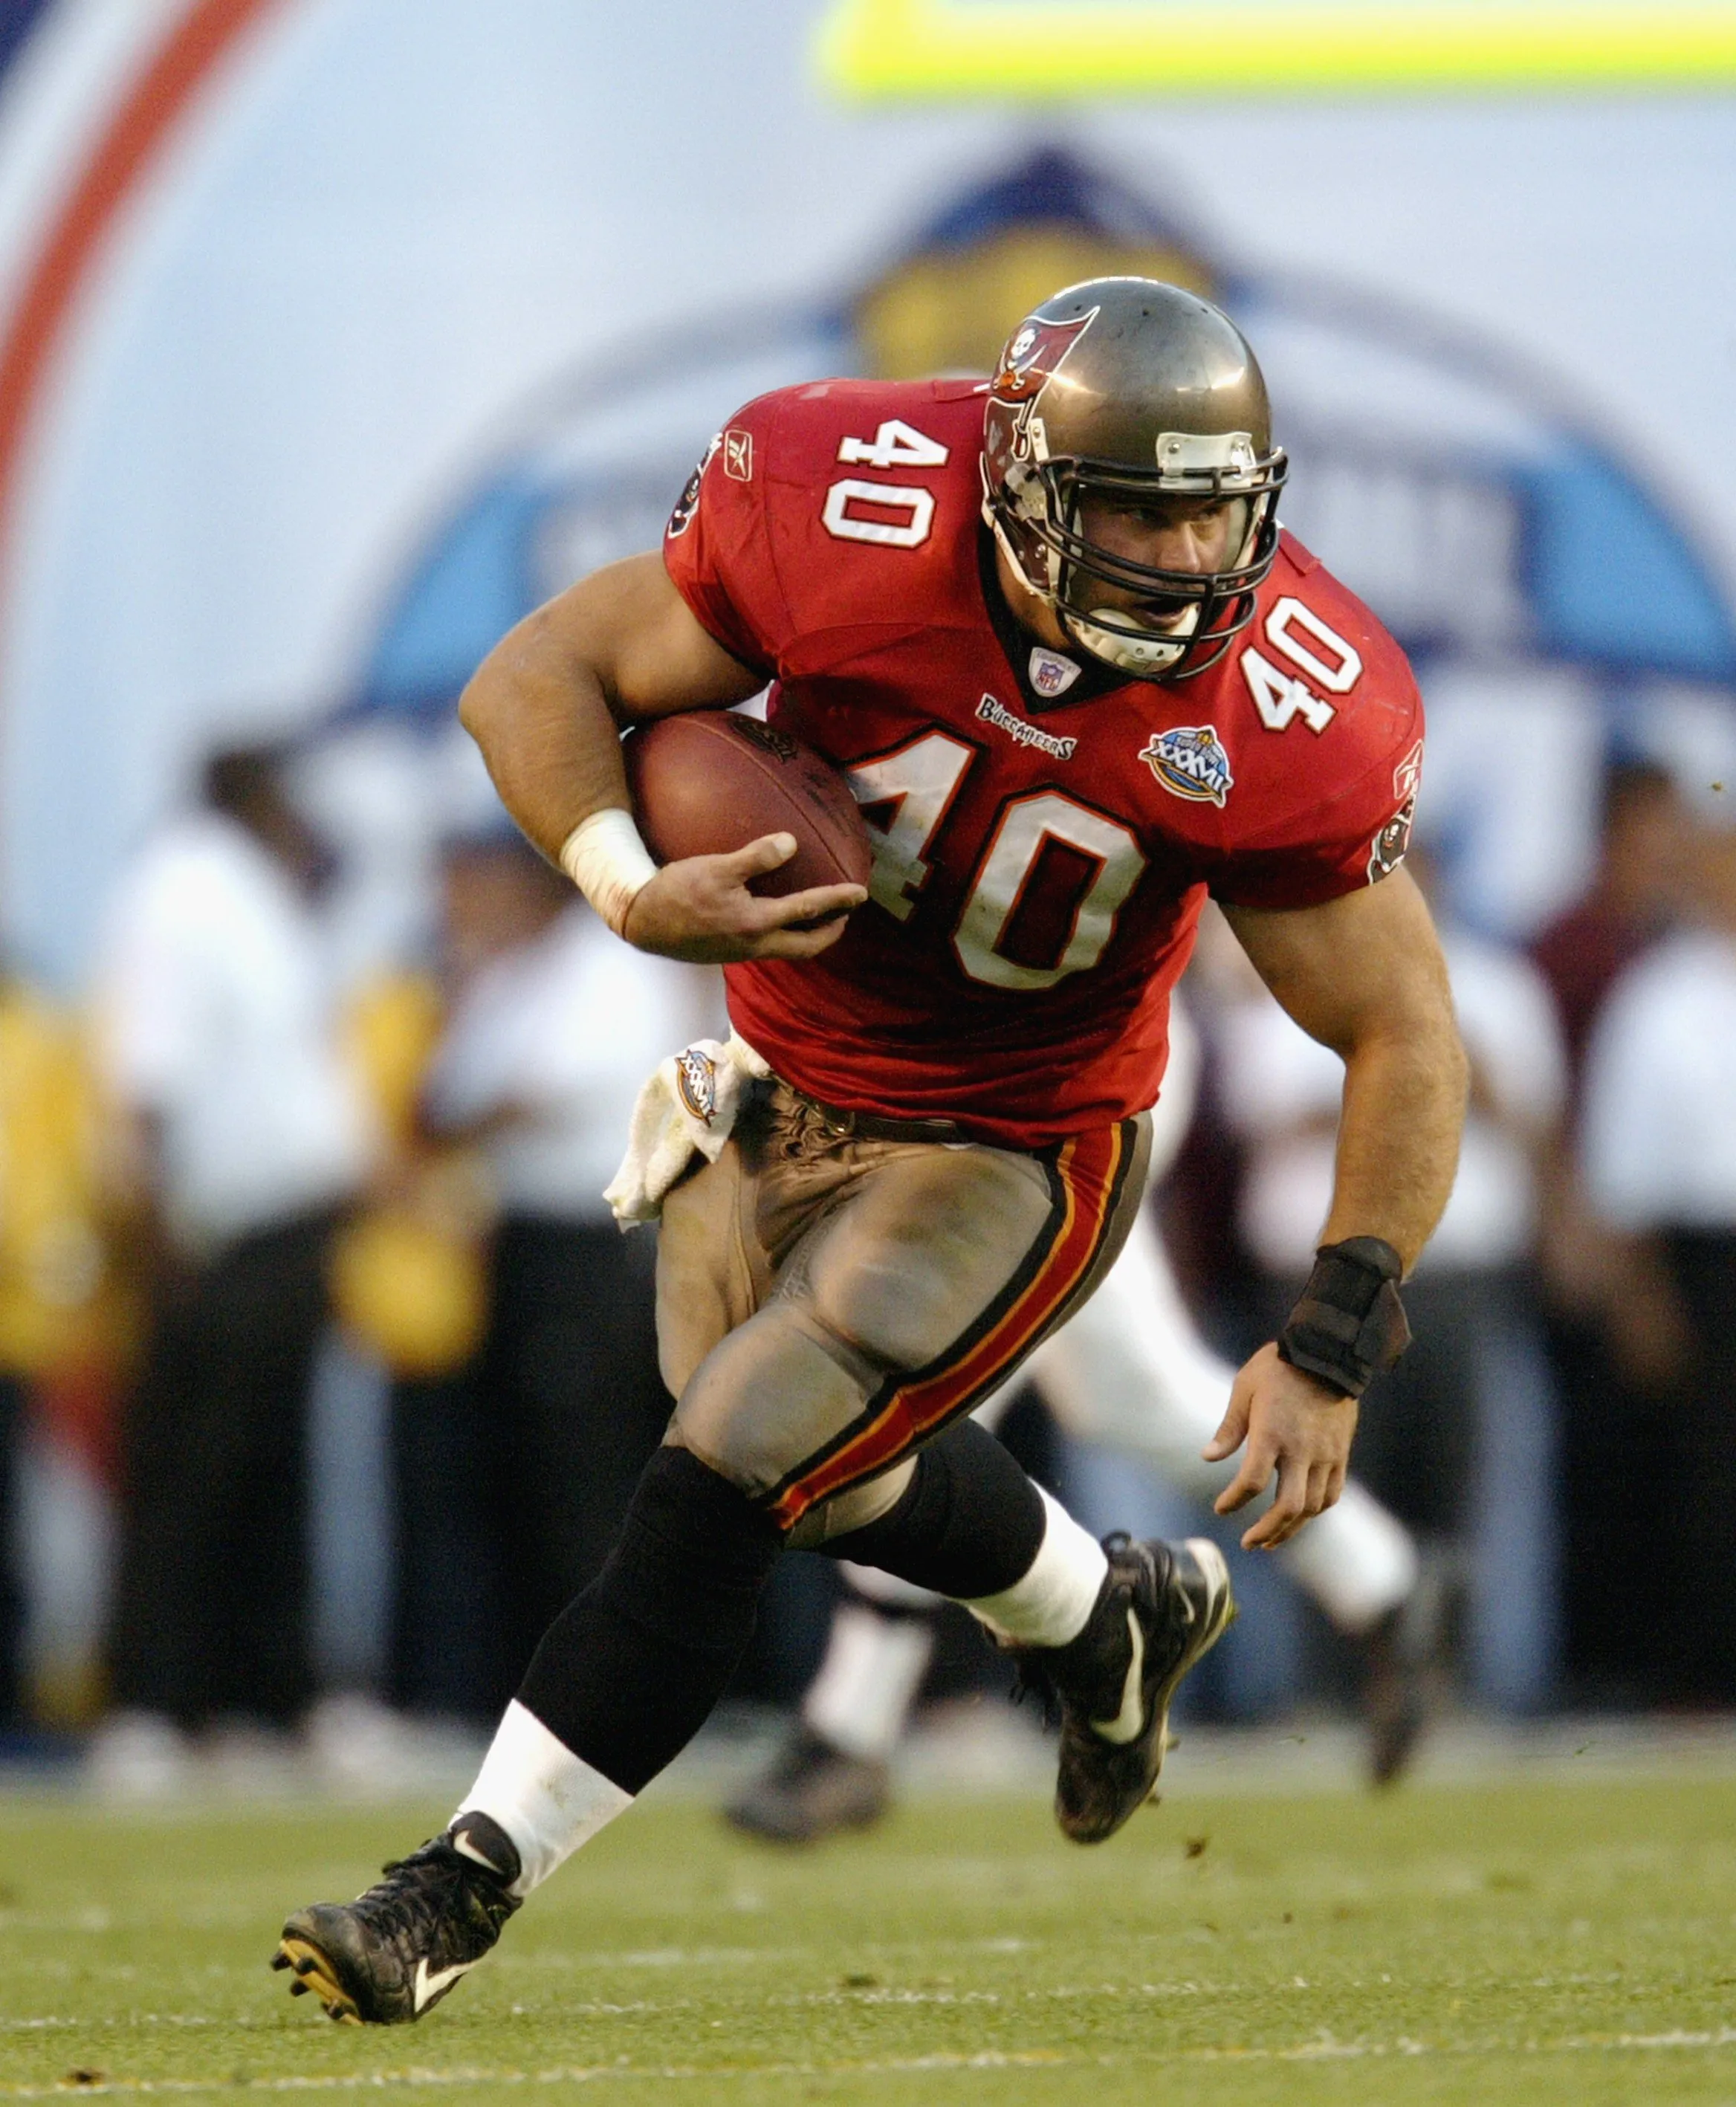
x: 1016, y: 515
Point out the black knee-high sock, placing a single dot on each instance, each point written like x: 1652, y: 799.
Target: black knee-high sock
x: 627, y: 1674
x: 968, y: 1523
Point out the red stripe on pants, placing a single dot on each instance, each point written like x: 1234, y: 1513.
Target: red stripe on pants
x: 1088, y: 1168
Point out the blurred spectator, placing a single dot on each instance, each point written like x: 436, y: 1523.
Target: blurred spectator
x: 1627, y: 905
x: 1659, y: 1143
x: 1604, y: 1339
x: 12, y: 1396
x: 245, y: 1139
x: 60, y: 1315
x: 1457, y: 1440
x: 554, y: 1027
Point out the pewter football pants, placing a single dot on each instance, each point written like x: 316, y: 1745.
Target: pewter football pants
x: 826, y: 1304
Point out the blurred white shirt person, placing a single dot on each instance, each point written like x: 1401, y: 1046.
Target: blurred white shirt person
x: 218, y: 1043
x: 548, y: 1039
x: 1658, y: 1144
x: 217, y: 1034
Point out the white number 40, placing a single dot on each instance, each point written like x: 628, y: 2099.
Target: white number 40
x: 1281, y: 697
x: 895, y: 445
x: 894, y: 515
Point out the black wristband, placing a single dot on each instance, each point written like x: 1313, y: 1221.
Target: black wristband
x: 1349, y: 1323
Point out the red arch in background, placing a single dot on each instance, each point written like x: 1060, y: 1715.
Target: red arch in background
x: 124, y: 154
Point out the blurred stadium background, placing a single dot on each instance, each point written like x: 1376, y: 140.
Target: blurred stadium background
x: 334, y: 335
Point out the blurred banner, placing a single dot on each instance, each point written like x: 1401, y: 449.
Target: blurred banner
x: 1052, y: 50
x: 283, y: 285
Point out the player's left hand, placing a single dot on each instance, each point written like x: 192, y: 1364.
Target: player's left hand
x: 1294, y: 1425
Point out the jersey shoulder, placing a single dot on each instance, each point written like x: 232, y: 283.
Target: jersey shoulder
x: 1300, y: 577
x: 1316, y: 655
x: 815, y: 432
x: 1321, y: 722
x: 831, y: 510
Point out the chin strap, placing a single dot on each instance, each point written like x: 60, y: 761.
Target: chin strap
x: 1349, y: 1323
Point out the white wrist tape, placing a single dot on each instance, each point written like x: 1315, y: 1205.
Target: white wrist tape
x: 605, y: 858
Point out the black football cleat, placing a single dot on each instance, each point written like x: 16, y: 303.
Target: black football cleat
x: 812, y: 1789
x: 392, y: 1954
x: 1163, y: 1607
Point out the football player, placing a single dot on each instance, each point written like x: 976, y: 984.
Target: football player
x: 1078, y: 677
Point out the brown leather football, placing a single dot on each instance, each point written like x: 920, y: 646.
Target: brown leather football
x: 708, y: 781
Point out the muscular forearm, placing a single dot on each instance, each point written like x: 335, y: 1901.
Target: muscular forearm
x: 1364, y: 975
x: 547, y: 708
x: 1398, y: 1144
x: 1398, y: 1139
x: 541, y: 717
x: 548, y: 704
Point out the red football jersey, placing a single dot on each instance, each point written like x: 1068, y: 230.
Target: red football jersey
x: 1045, y: 832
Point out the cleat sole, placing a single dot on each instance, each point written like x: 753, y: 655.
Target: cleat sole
x: 313, y: 1972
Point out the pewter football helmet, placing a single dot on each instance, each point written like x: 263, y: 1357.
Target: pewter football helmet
x: 1136, y: 391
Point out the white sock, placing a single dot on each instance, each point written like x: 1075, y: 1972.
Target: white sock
x: 863, y: 1694
x: 545, y: 1798
x: 1052, y: 1603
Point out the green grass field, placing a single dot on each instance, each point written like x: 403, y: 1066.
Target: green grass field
x: 1531, y: 1943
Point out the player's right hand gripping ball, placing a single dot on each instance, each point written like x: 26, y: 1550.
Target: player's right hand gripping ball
x: 707, y: 781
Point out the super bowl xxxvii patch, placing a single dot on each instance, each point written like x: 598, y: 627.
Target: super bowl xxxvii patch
x: 1190, y: 761
x: 696, y: 1078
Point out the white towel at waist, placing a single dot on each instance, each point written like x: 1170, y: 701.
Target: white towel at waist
x: 689, y: 1102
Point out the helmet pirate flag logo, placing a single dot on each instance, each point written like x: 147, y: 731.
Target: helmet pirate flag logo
x: 1034, y: 355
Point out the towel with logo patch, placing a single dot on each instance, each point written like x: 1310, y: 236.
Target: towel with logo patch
x: 688, y: 1102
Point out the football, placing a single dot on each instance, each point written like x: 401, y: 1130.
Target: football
x: 708, y: 781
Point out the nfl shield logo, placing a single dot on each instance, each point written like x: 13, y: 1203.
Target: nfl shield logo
x: 1051, y: 674
x: 1191, y: 762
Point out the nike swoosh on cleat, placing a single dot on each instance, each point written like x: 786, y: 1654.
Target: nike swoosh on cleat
x: 427, y: 1987
x: 465, y: 1848
x: 1127, y: 1723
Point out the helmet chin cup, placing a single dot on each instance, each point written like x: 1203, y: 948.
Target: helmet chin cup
x: 1144, y: 654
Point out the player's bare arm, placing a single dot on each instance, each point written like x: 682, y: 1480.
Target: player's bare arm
x: 547, y: 708
x: 1364, y: 975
